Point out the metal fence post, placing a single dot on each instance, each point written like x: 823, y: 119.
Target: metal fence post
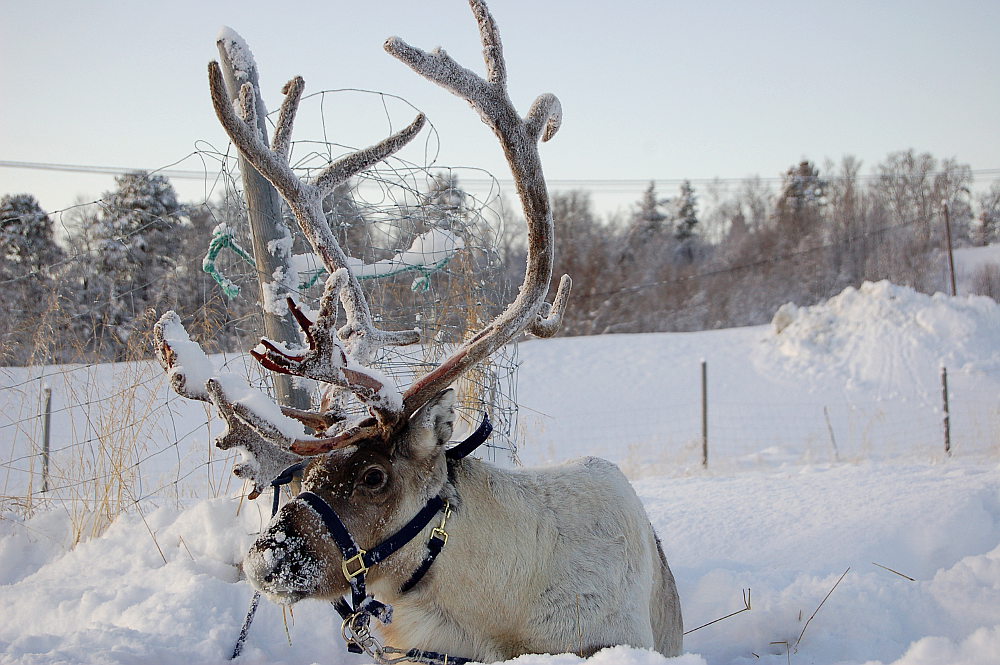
x: 46, y: 428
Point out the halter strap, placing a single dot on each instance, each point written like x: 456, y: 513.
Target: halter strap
x: 473, y: 441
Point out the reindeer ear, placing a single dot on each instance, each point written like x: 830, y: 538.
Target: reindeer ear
x: 431, y: 426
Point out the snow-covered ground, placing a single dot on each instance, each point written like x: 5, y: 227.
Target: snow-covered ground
x: 826, y: 455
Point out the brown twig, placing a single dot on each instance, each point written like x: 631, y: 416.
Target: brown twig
x: 819, y: 606
x: 893, y: 571
x: 186, y: 548
x: 746, y: 608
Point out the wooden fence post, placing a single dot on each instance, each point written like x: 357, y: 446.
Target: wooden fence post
x: 271, y: 236
x: 704, y: 414
x: 947, y: 411
x: 46, y: 425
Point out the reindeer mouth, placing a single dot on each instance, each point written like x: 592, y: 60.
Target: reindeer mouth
x: 283, y: 568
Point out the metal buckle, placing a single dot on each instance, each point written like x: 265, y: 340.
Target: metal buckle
x: 438, y: 531
x: 356, y: 559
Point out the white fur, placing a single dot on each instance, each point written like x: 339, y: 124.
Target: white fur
x: 547, y: 561
x: 537, y: 561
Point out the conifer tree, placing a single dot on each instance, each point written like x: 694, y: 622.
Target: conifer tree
x: 686, y: 215
x: 29, y: 257
x: 137, y: 241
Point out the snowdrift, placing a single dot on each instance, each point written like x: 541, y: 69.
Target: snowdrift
x: 825, y: 457
x: 883, y: 335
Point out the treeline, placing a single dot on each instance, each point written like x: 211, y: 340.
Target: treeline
x: 93, y: 293
x: 688, y: 260
x: 675, y: 263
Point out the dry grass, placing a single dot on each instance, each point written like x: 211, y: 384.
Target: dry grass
x: 986, y: 281
x: 108, y: 422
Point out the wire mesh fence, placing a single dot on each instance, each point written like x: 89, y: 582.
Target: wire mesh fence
x: 427, y: 253
x: 120, y: 437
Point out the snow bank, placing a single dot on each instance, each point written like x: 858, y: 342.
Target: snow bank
x: 824, y: 456
x: 883, y: 334
x: 789, y: 535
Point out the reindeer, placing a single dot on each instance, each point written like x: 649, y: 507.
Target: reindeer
x: 454, y: 555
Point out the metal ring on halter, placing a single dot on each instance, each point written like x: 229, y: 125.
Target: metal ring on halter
x: 355, y: 630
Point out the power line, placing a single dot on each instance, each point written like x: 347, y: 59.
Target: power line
x: 105, y: 170
x: 625, y: 184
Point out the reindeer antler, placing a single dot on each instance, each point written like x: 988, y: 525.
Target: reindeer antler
x: 326, y: 359
x: 261, y: 433
x: 343, y: 362
x: 519, y: 138
x: 361, y: 339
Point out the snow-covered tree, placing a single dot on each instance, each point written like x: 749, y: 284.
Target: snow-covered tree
x: 647, y: 237
x: 800, y: 205
x: 589, y: 251
x: 140, y: 223
x: 986, y: 229
x: 445, y: 195
x: 650, y: 217
x: 28, y: 258
x: 912, y: 186
x: 27, y: 243
x: 137, y: 238
x: 685, y: 212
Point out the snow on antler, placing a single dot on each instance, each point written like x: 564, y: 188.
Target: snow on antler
x: 254, y: 437
x: 342, y: 359
x: 255, y: 424
x: 347, y: 364
x: 326, y: 359
x: 519, y: 139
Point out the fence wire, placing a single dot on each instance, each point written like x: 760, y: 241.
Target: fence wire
x: 119, y: 436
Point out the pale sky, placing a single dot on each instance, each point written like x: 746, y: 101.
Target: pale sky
x: 650, y: 89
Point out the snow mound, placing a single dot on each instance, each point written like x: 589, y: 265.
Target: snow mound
x: 884, y: 333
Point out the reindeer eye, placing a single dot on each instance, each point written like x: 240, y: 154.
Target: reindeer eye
x: 373, y: 478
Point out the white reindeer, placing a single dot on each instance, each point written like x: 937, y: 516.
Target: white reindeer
x: 475, y: 561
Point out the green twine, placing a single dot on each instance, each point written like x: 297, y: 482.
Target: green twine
x: 223, y: 238
x: 420, y: 283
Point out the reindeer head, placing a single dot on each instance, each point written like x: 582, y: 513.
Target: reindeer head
x: 374, y: 485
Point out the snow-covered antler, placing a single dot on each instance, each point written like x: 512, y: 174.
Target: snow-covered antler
x: 255, y: 426
x: 346, y: 361
x: 326, y: 360
x: 343, y: 360
x: 519, y: 138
